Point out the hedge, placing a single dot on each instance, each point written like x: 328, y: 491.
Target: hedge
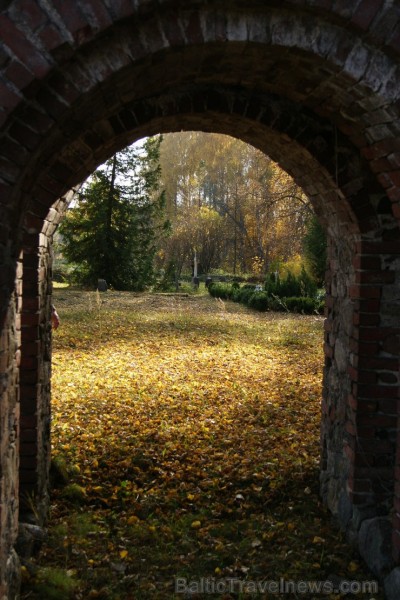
x: 262, y: 301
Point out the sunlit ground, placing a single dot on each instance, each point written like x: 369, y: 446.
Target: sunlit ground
x: 189, y: 428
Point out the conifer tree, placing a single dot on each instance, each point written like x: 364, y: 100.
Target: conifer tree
x: 315, y: 250
x: 112, y: 230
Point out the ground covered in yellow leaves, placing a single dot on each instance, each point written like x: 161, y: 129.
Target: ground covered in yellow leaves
x: 186, y: 451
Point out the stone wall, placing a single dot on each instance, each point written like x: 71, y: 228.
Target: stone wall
x: 9, y: 426
x: 35, y: 369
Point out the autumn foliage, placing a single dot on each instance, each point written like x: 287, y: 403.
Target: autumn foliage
x: 185, y: 444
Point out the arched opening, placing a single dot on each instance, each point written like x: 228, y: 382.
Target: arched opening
x: 315, y: 88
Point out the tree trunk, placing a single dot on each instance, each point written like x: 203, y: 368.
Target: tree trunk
x: 109, y: 214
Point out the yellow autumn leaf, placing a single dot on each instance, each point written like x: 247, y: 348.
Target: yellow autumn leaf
x: 353, y: 566
x: 132, y: 520
x: 123, y: 553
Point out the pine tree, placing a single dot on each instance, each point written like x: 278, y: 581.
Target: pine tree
x: 112, y: 230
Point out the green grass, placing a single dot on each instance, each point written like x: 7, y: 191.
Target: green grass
x: 58, y: 285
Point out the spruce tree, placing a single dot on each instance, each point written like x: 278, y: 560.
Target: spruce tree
x: 112, y: 230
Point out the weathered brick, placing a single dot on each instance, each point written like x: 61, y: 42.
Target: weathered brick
x: 377, y: 277
x: 377, y: 391
x: 362, y: 376
x: 366, y: 319
x: 9, y: 98
x: 365, y: 12
x: 30, y: 13
x: 193, y: 29
x: 24, y: 135
x: 51, y: 103
x: 98, y: 15
x: 18, y: 74
x: 23, y: 48
x: 119, y: 8
x: 365, y: 291
x: 74, y: 20
x: 51, y: 37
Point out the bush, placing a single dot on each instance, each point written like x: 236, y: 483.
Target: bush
x: 244, y: 294
x: 169, y: 278
x: 268, y: 299
x: 291, y: 287
x: 308, y: 286
x: 259, y: 301
x: 277, y: 304
x: 271, y: 285
x: 301, y: 305
x: 220, y: 290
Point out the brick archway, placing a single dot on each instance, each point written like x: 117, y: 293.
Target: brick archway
x: 316, y: 87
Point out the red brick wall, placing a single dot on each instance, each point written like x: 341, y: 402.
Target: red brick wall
x: 315, y: 84
x: 35, y: 367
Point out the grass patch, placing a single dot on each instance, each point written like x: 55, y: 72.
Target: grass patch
x: 59, y: 285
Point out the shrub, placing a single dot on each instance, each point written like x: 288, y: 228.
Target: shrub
x: 277, y: 304
x: 236, y: 295
x: 220, y: 290
x: 271, y: 284
x: 259, y: 301
x: 169, y: 278
x: 291, y: 286
x: 308, y: 286
x: 268, y: 299
x: 245, y: 293
x: 301, y: 305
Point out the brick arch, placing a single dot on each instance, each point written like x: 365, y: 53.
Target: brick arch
x: 326, y: 68
x: 266, y: 121
x: 316, y: 87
